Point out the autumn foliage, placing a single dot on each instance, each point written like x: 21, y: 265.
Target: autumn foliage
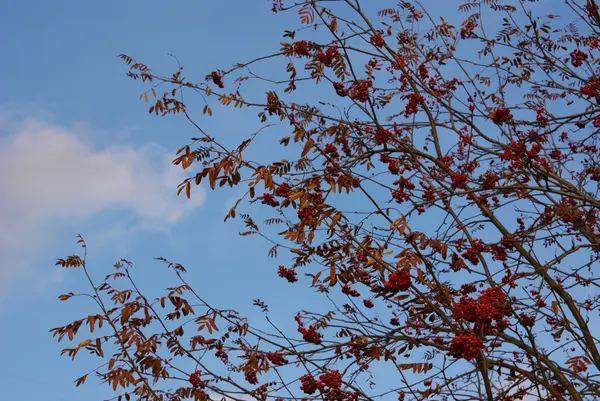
x: 442, y: 194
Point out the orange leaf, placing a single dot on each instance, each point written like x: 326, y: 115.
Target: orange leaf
x: 332, y: 276
x: 307, y: 146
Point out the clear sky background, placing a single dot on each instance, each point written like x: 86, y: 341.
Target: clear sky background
x: 80, y: 154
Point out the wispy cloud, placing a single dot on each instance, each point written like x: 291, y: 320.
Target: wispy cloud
x: 53, y: 177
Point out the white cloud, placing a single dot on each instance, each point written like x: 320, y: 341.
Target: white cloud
x: 53, y: 177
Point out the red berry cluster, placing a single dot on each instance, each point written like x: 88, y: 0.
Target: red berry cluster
x: 217, y: 79
x: 412, y: 106
x: 423, y: 73
x: 498, y: 252
x: 490, y: 179
x: 368, y: 303
x: 438, y: 340
x: 591, y: 8
x: 360, y: 90
x: 593, y: 42
x: 331, y: 379
x: 194, y: 379
x: 308, y: 384
x: 397, y: 64
x: 459, y: 181
x: 469, y: 166
x: 283, y: 190
x: 301, y: 48
x: 382, y: 136
x: 511, y: 279
x: 222, y: 355
x: 472, y: 254
x: 467, y: 289
x: 559, y: 388
x: 403, y: 193
x: 595, y: 174
x: 491, y: 307
x: 452, y: 84
x: 340, y: 89
x: 591, y: 88
x: 316, y: 198
x: 541, y: 117
x: 276, y: 358
x: 346, y: 289
x: 288, y: 274
x: 268, y: 199
x: 393, y: 166
x: 500, y: 115
x: 527, y: 320
x: 377, y: 40
x: 250, y: 376
x: 514, y: 153
x: 310, y: 335
x: 308, y: 217
x: 327, y: 58
x: 345, y: 146
x: 352, y: 396
x: 578, y: 57
x: 428, y: 192
x: 466, y: 345
x: 329, y: 384
x: 331, y: 151
x: 347, y: 180
x: 399, y: 280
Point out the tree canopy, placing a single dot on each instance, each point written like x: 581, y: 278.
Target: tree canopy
x: 435, y: 177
